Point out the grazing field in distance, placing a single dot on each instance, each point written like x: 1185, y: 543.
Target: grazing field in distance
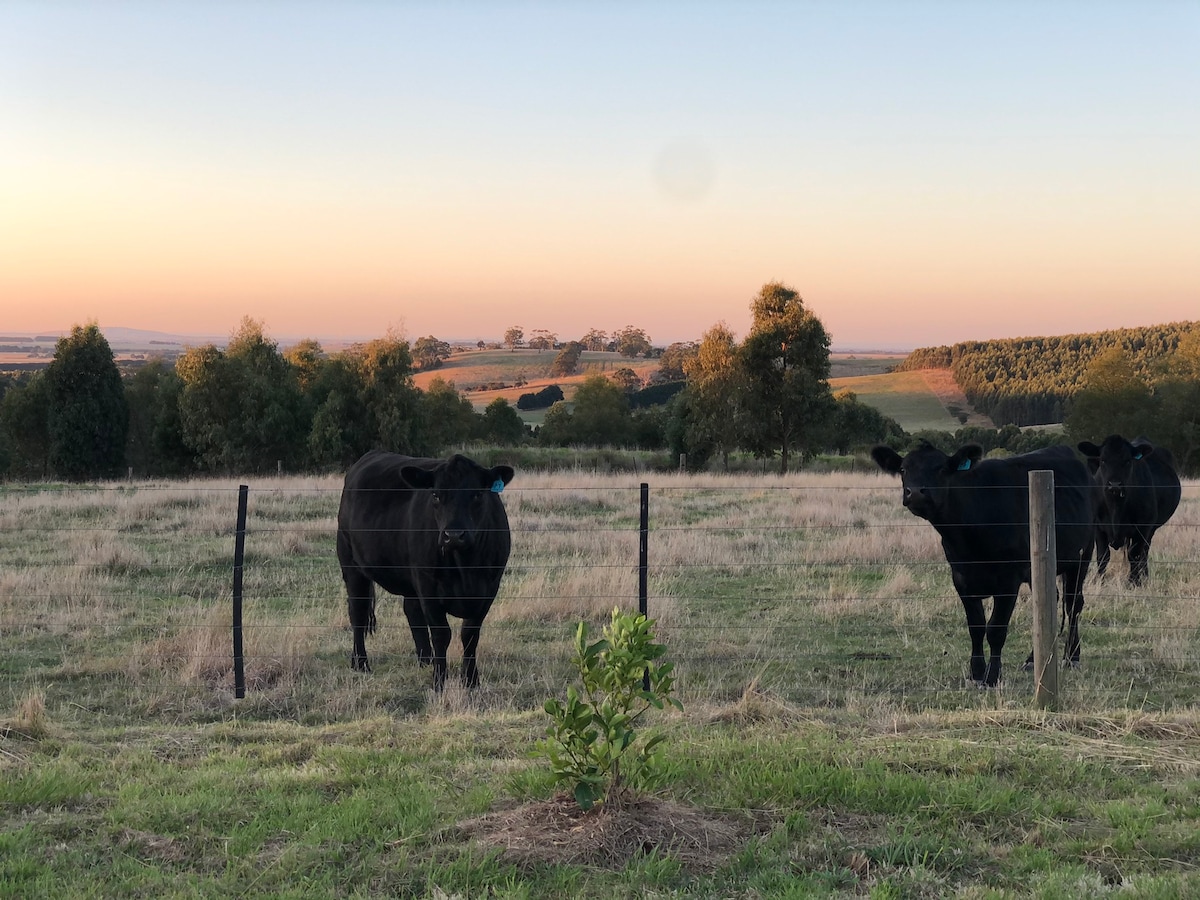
x: 469, y: 369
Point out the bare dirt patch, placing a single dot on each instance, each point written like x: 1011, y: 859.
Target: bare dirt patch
x: 558, y: 832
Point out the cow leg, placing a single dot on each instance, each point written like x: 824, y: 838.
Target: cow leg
x: 420, y: 630
x: 977, y: 629
x: 1102, y: 553
x: 997, y: 634
x: 1139, y: 560
x: 1073, y: 577
x: 439, y: 634
x: 470, y: 643
x: 360, y: 603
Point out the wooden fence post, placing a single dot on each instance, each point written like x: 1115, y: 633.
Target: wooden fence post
x: 1043, y: 555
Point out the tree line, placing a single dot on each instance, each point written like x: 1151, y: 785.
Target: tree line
x: 1033, y: 381
x: 251, y: 407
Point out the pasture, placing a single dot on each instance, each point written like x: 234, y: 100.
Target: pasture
x: 910, y: 399
x: 821, y: 656
x: 471, y: 369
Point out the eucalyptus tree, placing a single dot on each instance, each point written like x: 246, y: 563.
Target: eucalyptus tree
x: 786, y: 399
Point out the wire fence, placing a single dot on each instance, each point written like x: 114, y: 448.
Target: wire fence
x: 820, y: 589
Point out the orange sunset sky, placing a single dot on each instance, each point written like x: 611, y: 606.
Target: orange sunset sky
x: 921, y: 172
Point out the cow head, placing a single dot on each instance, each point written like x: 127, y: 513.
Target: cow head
x: 462, y: 490
x: 1111, y: 464
x: 926, y: 474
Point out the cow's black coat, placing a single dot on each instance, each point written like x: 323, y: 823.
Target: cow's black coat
x: 980, y: 508
x: 1136, y: 492
x: 432, y: 531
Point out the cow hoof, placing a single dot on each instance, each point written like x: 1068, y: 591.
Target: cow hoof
x: 360, y: 664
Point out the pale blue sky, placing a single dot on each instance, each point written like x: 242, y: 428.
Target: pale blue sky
x: 920, y: 172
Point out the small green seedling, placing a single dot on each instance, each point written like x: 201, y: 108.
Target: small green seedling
x: 591, y: 742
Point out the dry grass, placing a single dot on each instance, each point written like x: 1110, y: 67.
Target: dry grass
x: 558, y: 832
x: 821, y: 586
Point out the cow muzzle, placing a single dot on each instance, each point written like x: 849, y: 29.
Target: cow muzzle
x: 455, y: 539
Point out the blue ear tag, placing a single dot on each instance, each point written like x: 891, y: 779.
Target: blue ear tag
x: 1137, y: 456
x: 964, y: 465
x: 497, y: 485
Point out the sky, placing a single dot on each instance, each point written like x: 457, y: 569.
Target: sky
x: 920, y: 172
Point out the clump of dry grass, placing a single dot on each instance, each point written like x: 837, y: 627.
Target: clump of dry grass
x: 30, y: 719
x: 558, y: 832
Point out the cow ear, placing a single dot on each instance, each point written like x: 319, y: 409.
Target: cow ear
x: 416, y: 478
x: 1088, y: 449
x: 1142, y: 449
x: 500, y: 476
x: 965, y: 458
x: 887, y: 459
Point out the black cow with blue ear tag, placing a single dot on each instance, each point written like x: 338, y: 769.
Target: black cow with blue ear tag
x: 1136, y: 492
x: 980, y: 509
x: 432, y: 531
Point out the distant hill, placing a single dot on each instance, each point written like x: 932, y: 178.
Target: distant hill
x: 1029, y: 381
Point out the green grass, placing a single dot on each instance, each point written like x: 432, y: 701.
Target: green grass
x: 902, y: 395
x: 820, y: 654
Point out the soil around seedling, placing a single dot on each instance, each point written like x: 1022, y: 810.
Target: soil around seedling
x: 610, y: 835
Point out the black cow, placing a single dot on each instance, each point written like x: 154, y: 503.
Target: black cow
x: 432, y: 531
x: 981, y: 510
x: 1136, y: 492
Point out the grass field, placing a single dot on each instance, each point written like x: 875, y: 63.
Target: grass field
x: 905, y: 396
x: 902, y: 396
x: 471, y: 368
x: 828, y: 733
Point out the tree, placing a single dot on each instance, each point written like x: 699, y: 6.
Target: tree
x: 392, y: 399
x: 594, y: 340
x: 305, y: 359
x: 1113, y: 400
x: 711, y: 408
x: 241, y: 407
x: 555, y: 430
x: 632, y: 342
x: 448, y: 417
x: 156, y: 444
x: 25, y: 425
x: 514, y: 337
x: 429, y: 352
x: 856, y: 424
x: 543, y: 340
x: 785, y: 359
x: 501, y: 424
x: 600, y: 414
x: 627, y: 380
x: 87, y: 414
x: 674, y: 358
x: 341, y: 429
x: 567, y: 361
x: 1178, y: 396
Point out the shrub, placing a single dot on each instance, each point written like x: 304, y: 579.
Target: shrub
x: 591, y: 742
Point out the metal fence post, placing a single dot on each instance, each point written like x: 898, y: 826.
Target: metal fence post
x: 1043, y: 555
x: 239, y: 556
x: 644, y: 563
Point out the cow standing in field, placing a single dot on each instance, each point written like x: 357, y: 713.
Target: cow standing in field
x: 1136, y: 492
x: 433, y: 532
x: 980, y: 508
